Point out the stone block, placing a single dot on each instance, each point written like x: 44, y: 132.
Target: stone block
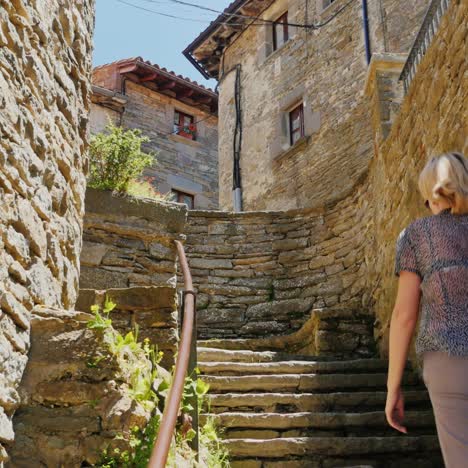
x: 170, y: 217
x: 93, y: 253
x: 321, y: 261
x: 278, y: 310
x: 17, y: 245
x: 102, y: 279
x: 16, y: 310
x: 210, y: 263
x: 220, y: 316
x: 162, y: 252
x: 143, y: 298
x: 87, y: 298
x: 6, y: 428
x: 260, y: 328
x: 289, y: 244
x: 30, y: 225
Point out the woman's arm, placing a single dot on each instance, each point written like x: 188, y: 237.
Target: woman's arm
x: 403, y: 323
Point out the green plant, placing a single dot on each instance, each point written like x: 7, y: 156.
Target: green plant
x: 215, y: 455
x: 194, y: 387
x: 116, y: 158
x: 137, y: 361
x: 138, y: 366
x: 143, y: 441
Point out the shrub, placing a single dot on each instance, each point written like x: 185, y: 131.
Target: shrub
x: 116, y: 158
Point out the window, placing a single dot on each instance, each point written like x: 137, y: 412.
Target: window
x: 184, y: 125
x: 182, y: 197
x: 280, y: 31
x: 326, y: 3
x: 296, y: 124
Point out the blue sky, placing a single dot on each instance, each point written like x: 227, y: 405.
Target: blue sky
x: 123, y: 31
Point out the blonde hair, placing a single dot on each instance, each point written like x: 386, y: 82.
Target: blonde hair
x: 446, y: 177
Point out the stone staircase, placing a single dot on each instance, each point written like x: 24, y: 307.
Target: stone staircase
x: 279, y: 410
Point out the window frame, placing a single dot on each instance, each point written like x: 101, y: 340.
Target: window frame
x: 179, y: 128
x: 300, y: 109
x: 285, y: 30
x: 326, y: 3
x: 179, y: 194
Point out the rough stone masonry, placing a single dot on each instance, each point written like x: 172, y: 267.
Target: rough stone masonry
x: 45, y: 63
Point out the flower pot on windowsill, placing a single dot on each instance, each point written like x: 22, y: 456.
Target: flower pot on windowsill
x: 188, y: 135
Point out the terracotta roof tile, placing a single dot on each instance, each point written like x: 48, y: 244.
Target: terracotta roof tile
x: 155, y: 65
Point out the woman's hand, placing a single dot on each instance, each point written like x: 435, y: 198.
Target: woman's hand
x: 402, y: 325
x: 395, y: 410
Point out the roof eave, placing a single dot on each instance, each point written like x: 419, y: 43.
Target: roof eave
x: 188, y: 51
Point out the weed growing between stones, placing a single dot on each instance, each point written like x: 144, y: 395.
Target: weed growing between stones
x: 138, y: 362
x: 148, y: 384
x: 212, y: 452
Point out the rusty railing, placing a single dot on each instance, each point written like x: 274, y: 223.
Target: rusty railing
x: 428, y: 29
x: 186, y: 361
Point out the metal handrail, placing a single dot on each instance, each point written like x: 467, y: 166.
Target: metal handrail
x: 163, y: 442
x: 428, y: 28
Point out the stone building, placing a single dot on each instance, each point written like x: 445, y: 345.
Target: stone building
x: 296, y: 76
x: 178, y: 115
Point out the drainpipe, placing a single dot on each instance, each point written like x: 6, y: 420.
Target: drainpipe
x: 237, y: 144
x: 365, y: 19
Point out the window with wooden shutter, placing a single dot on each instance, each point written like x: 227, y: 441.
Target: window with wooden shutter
x: 296, y: 124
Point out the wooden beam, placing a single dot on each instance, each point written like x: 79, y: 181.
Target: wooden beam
x: 185, y: 94
x: 149, y: 77
x: 128, y: 68
x: 248, y: 11
x: 204, y: 100
x: 169, y: 85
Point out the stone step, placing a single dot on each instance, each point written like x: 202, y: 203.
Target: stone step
x: 314, y: 419
x: 300, y: 402
x: 432, y: 459
x: 329, y: 446
x: 293, y: 367
x: 272, y: 425
x: 245, y: 355
x: 300, y: 383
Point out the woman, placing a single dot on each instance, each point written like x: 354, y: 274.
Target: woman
x: 432, y: 265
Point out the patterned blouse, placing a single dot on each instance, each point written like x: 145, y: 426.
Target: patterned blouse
x: 436, y: 249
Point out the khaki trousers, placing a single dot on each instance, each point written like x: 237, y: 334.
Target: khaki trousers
x: 446, y: 378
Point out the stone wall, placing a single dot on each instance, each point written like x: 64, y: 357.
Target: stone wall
x: 325, y: 70
x: 129, y: 242
x: 129, y: 255
x: 393, y: 24
x: 263, y: 273
x: 101, y: 116
x: 432, y: 120
x: 45, y: 61
x: 75, y: 399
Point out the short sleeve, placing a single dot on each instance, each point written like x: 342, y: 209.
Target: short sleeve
x: 406, y: 253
